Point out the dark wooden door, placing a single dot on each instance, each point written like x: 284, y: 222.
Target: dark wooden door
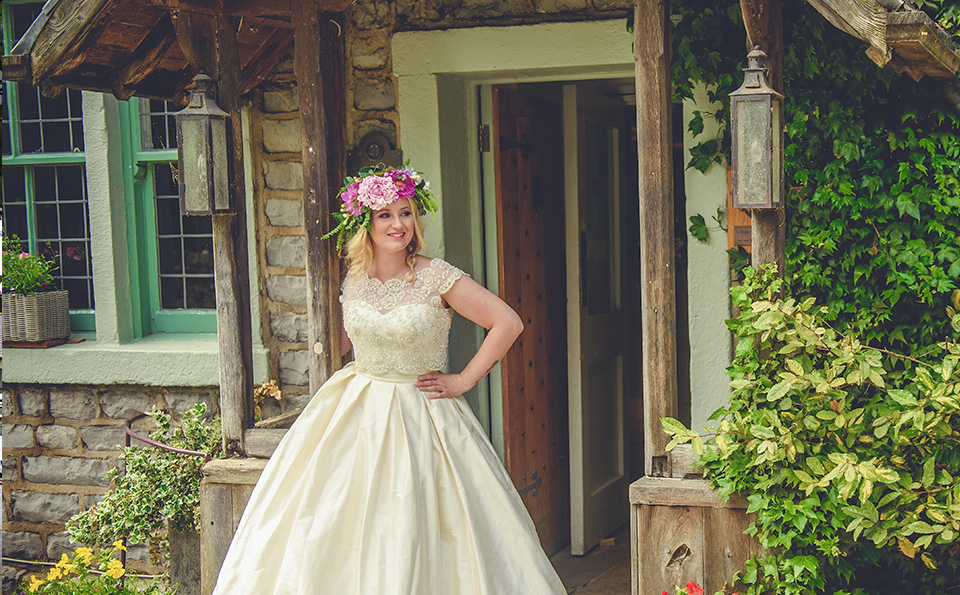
x: 528, y: 158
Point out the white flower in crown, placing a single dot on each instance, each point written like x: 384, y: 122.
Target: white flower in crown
x: 376, y: 192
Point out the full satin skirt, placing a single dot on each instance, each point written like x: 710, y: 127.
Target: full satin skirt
x: 377, y: 490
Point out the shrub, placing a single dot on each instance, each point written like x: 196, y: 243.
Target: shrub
x: 76, y: 576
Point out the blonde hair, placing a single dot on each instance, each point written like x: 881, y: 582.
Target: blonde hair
x: 359, y: 248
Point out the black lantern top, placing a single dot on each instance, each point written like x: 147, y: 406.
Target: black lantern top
x: 755, y: 75
x: 202, y: 99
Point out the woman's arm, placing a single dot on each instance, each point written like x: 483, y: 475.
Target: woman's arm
x: 474, y: 302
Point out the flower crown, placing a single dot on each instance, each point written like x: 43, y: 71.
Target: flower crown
x: 372, y: 189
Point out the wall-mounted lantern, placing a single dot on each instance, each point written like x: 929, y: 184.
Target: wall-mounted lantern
x: 756, y: 115
x: 203, y: 152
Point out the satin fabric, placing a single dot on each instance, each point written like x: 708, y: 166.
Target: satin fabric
x: 378, y: 490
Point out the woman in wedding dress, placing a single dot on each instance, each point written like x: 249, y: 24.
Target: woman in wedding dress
x: 387, y: 484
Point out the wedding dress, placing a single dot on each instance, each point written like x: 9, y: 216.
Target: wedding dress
x: 378, y: 490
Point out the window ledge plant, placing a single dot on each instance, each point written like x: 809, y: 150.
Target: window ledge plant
x: 34, y: 309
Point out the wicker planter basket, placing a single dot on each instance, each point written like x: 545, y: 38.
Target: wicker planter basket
x: 36, y: 317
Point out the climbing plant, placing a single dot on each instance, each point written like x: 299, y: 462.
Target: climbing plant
x: 872, y: 167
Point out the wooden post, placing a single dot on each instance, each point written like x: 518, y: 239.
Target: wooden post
x: 657, y: 275
x: 210, y: 44
x: 764, y: 24
x: 318, y: 64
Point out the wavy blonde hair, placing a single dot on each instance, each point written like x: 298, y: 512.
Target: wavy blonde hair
x: 359, y: 248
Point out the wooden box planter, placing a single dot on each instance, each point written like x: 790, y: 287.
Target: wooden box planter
x: 36, y: 317
x: 681, y: 531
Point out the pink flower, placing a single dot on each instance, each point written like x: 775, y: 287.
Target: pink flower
x: 24, y: 255
x: 694, y: 589
x: 377, y: 192
x: 349, y: 198
x: 406, y: 185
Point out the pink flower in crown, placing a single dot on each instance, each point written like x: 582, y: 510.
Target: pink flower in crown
x: 406, y: 185
x: 377, y: 192
x: 349, y: 198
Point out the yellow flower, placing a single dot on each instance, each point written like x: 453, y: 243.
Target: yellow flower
x: 118, y: 545
x: 55, y: 573
x: 35, y: 583
x: 115, y: 569
x: 85, y: 554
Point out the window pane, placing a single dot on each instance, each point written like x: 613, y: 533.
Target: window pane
x: 184, y: 249
x: 14, y: 202
x: 49, y: 124
x: 63, y: 228
x: 23, y: 15
x: 6, y: 127
x: 158, y: 127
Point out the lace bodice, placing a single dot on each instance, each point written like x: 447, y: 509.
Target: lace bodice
x: 399, y: 326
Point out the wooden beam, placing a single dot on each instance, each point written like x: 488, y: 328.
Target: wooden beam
x: 864, y: 19
x: 651, y: 49
x: 67, y: 33
x: 318, y: 59
x: 210, y: 44
x: 235, y: 8
x: 921, y: 46
x: 763, y: 21
x: 265, y: 58
x: 145, y: 57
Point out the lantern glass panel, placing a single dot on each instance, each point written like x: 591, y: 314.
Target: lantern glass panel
x: 193, y: 170
x: 752, y: 151
x: 218, y: 137
x: 776, y: 187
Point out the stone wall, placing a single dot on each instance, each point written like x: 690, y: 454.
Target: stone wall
x: 371, y: 101
x: 58, y: 444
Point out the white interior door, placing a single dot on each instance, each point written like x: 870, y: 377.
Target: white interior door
x: 598, y: 327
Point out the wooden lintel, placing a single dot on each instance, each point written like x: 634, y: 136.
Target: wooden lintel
x: 658, y: 304
x: 265, y: 58
x: 235, y: 8
x: 233, y: 471
x: 145, y: 57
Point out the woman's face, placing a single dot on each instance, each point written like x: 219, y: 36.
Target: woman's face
x: 392, y: 227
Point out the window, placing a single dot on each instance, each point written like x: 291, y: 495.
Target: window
x: 176, y: 293
x: 44, y: 177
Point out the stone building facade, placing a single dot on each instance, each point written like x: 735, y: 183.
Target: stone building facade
x: 60, y: 440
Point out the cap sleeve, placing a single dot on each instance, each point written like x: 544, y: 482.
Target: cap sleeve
x: 444, y: 275
x: 348, y: 289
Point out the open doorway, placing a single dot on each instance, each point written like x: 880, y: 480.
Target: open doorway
x: 563, y: 195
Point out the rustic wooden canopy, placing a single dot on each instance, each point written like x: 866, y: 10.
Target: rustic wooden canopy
x: 906, y: 39
x: 129, y: 47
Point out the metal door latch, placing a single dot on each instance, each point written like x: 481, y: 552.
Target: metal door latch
x: 532, y: 486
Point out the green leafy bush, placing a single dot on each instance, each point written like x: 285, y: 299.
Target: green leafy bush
x: 847, y: 453
x: 159, y: 490
x: 76, y: 575
x: 872, y: 167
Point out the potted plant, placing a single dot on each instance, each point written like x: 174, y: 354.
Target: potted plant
x: 34, y: 309
x: 156, y: 500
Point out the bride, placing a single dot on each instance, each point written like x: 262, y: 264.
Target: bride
x: 387, y: 484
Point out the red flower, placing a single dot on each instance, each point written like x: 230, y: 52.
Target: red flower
x: 694, y: 589
x: 664, y: 593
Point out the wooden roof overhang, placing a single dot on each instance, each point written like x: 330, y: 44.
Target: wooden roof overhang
x: 129, y: 47
x: 897, y: 35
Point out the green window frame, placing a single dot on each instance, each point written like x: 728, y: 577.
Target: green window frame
x: 37, y: 162
x: 142, y: 167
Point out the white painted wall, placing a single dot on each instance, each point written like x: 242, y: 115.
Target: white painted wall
x: 708, y: 277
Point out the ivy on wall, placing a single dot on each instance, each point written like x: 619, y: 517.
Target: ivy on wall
x: 872, y: 167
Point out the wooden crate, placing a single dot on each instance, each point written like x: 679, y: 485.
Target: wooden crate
x: 224, y: 492
x: 680, y: 531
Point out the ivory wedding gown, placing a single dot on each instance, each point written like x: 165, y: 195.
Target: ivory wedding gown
x: 377, y: 490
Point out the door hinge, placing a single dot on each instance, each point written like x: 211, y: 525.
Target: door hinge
x: 483, y: 138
